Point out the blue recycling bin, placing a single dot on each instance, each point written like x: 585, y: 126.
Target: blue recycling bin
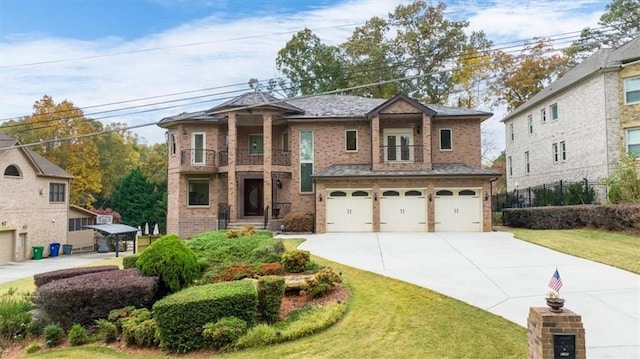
x: 54, y: 249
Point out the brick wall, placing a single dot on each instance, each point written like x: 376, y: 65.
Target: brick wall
x: 543, y: 324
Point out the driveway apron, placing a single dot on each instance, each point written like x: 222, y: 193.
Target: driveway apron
x: 502, y: 275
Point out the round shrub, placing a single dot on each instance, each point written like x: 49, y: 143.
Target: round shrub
x: 322, y: 283
x: 171, y: 260
x: 224, y: 332
x: 107, y: 331
x: 295, y: 261
x: 53, y: 335
x: 32, y: 348
x: 78, y: 335
x: 299, y: 222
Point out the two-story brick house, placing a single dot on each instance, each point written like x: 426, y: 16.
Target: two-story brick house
x: 579, y: 125
x: 358, y: 164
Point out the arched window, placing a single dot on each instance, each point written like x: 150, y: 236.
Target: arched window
x: 359, y: 194
x: 444, y: 192
x: 12, y: 171
x: 390, y: 193
x: 467, y: 192
x: 338, y: 194
x: 413, y: 193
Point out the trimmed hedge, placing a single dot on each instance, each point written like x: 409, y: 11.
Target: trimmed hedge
x: 182, y: 315
x: 83, y: 299
x: 619, y: 217
x: 270, y: 293
x: 299, y: 222
x: 130, y: 261
x: 171, y: 260
x: 44, y: 278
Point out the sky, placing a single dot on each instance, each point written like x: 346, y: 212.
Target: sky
x: 138, y: 61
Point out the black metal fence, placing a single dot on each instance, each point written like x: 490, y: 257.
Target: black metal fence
x: 562, y: 193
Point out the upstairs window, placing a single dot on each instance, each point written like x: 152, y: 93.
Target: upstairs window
x: 554, y: 111
x: 511, y: 134
x: 563, y: 151
x: 543, y: 115
x: 446, y: 142
x: 632, y: 90
x: 510, y: 166
x: 633, y: 141
x: 12, y: 171
x: 256, y: 144
x: 57, y: 192
x: 285, y: 142
x: 306, y: 161
x: 527, y: 167
x: 554, y: 148
x: 351, y: 140
x: 530, y: 124
x: 172, y: 144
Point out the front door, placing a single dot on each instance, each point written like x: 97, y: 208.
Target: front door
x: 253, y: 205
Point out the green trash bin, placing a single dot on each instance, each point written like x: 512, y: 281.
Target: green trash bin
x: 37, y: 252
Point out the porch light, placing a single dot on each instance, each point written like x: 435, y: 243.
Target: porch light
x: 279, y: 183
x: 430, y: 198
x: 320, y: 197
x: 486, y: 196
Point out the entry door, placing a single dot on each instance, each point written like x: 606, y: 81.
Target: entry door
x: 21, y: 246
x: 253, y: 197
x: 398, y: 146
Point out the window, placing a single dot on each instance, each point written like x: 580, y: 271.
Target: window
x: 285, y: 142
x: 530, y: 123
x: 77, y: 224
x: 12, y: 171
x: 56, y: 192
x: 563, y: 151
x: 197, y: 148
x: 554, y: 111
x: 633, y: 141
x: 398, y: 144
x: 527, y: 169
x: 446, y: 142
x: 198, y: 192
x: 632, y: 90
x: 256, y: 144
x: 172, y: 144
x: 306, y: 161
x: 351, y: 140
x: 543, y: 115
x: 510, y: 165
x: 555, y: 152
x: 511, y: 134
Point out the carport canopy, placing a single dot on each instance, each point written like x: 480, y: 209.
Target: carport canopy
x: 115, y: 230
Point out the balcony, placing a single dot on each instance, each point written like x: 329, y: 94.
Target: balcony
x: 401, y: 154
x: 198, y: 161
x: 255, y: 158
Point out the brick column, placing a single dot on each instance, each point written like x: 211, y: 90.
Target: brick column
x: 375, y: 143
x: 426, y: 141
x: 267, y: 134
x: 232, y: 183
x: 543, y: 324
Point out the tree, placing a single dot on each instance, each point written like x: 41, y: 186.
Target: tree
x: 473, y: 71
x: 619, y: 24
x: 500, y: 165
x: 78, y: 156
x: 136, y: 199
x: 518, y: 78
x: 310, y: 65
x: 624, y: 185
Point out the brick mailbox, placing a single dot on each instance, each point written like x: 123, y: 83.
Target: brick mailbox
x: 553, y: 335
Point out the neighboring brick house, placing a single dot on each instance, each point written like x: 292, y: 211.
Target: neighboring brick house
x: 579, y: 125
x: 34, y: 201
x: 358, y: 164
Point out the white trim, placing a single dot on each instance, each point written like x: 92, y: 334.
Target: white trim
x: 398, y: 132
x: 450, y: 139
x: 208, y: 195
x: 194, y: 149
x: 346, y: 140
x: 624, y: 91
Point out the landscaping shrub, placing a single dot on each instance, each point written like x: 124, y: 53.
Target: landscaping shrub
x: 118, y: 315
x: 268, y: 253
x: 322, y: 282
x: 78, y: 335
x: 171, y: 260
x: 53, y: 335
x: 83, y: 299
x: 296, y: 260
x: 182, y: 315
x: 223, y: 332
x: 270, y: 293
x: 274, y: 268
x: 234, y: 272
x: 233, y: 233
x: 44, y: 278
x: 611, y: 217
x: 247, y: 230
x: 106, y: 331
x: 130, y: 261
x: 32, y: 348
x: 299, y: 222
x: 140, y: 329
x: 16, y: 322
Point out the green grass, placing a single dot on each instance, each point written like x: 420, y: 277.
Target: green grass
x: 617, y: 250
x: 386, y: 318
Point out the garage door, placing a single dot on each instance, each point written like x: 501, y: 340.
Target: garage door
x: 458, y: 210
x: 403, y: 210
x: 6, y: 247
x: 349, y: 211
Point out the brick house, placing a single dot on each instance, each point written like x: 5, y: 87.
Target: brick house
x: 358, y: 164
x: 579, y: 125
x: 34, y: 201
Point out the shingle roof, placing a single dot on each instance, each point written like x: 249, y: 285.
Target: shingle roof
x: 439, y: 170
x: 602, y: 59
x: 254, y: 99
x: 46, y: 167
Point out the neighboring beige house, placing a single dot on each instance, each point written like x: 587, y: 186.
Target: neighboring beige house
x: 359, y: 164
x: 81, y: 238
x: 34, y: 201
x: 580, y: 125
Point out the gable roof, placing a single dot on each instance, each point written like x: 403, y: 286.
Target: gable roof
x: 42, y: 165
x: 401, y: 97
x: 254, y: 99
x: 601, y: 60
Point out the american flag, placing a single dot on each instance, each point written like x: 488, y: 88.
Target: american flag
x: 555, y: 283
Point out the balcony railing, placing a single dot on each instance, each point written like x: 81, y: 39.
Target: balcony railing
x: 198, y: 157
x: 251, y: 157
x: 401, y: 153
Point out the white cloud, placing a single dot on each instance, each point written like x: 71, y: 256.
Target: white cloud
x: 224, y: 52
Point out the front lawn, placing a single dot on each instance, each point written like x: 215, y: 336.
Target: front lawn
x: 615, y: 249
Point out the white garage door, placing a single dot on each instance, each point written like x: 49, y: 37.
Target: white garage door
x: 458, y: 210
x: 349, y: 211
x: 403, y: 210
x: 6, y: 247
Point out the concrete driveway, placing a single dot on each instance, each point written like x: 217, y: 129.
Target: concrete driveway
x: 502, y: 275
